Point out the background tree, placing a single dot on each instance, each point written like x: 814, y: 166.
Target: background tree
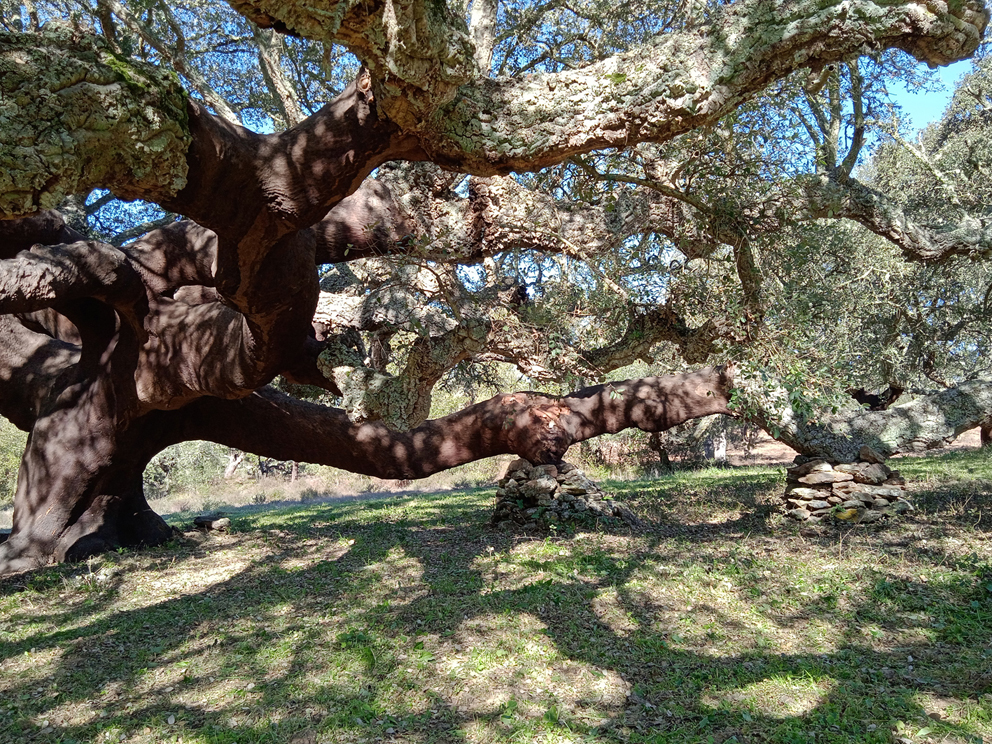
x: 112, y: 353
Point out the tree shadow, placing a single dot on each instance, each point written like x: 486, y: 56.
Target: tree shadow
x: 348, y: 622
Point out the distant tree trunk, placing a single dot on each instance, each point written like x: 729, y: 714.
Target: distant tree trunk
x: 986, y: 433
x: 715, y: 447
x: 655, y: 445
x: 294, y: 472
x: 233, y: 461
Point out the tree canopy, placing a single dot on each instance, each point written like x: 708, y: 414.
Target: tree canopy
x: 365, y: 199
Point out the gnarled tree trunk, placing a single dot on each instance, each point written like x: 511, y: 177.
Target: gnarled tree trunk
x: 107, y: 355
x: 80, y: 488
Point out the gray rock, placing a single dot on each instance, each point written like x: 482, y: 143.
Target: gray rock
x: 801, y: 514
x: 853, y: 504
x: 846, y: 489
x: 549, y: 470
x: 576, y: 482
x: 540, y: 485
x: 851, y: 467
x: 806, y: 493
x: 515, y: 465
x: 874, y: 474
x: 871, y: 516
x: 826, y: 476
x: 813, y: 466
x: 867, y: 454
x: 817, y: 504
x: 880, y: 503
x: 886, y: 492
x: 211, y: 522
x: 901, y: 506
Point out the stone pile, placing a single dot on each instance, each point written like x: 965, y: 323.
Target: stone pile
x: 858, y: 492
x: 538, y: 496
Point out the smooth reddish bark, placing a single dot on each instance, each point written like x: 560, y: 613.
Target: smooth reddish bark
x: 109, y: 355
x: 536, y: 427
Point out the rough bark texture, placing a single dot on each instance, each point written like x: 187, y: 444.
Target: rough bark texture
x: 927, y: 422
x: 969, y: 236
x: 503, y: 125
x: 75, y: 116
x: 108, y: 355
x: 427, y: 85
x: 537, y: 427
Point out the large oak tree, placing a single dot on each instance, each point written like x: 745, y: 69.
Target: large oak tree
x: 109, y: 353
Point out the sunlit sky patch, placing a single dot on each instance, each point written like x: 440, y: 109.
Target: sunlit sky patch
x: 921, y: 108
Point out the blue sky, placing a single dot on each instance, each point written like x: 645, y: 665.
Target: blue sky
x: 923, y: 108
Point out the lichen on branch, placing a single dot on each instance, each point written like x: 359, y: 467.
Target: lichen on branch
x: 74, y: 116
x: 681, y: 81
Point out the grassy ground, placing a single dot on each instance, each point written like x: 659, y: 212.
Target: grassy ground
x: 406, y: 619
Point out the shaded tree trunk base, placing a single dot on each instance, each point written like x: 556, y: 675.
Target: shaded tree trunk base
x: 80, y: 490
x: 542, y: 497
x: 108, y: 524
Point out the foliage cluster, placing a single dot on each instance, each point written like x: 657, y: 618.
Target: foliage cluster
x: 11, y: 447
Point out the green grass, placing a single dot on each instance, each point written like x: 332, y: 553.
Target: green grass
x: 409, y: 620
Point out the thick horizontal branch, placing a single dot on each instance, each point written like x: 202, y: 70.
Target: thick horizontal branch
x: 830, y: 197
x: 536, y: 427
x: 927, y: 422
x: 419, y: 54
x: 681, y: 81
x: 75, y: 117
x: 47, y: 276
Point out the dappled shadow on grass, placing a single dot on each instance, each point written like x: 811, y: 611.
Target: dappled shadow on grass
x: 409, y: 620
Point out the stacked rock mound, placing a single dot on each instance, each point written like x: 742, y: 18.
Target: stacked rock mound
x: 538, y: 496
x: 858, y: 492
